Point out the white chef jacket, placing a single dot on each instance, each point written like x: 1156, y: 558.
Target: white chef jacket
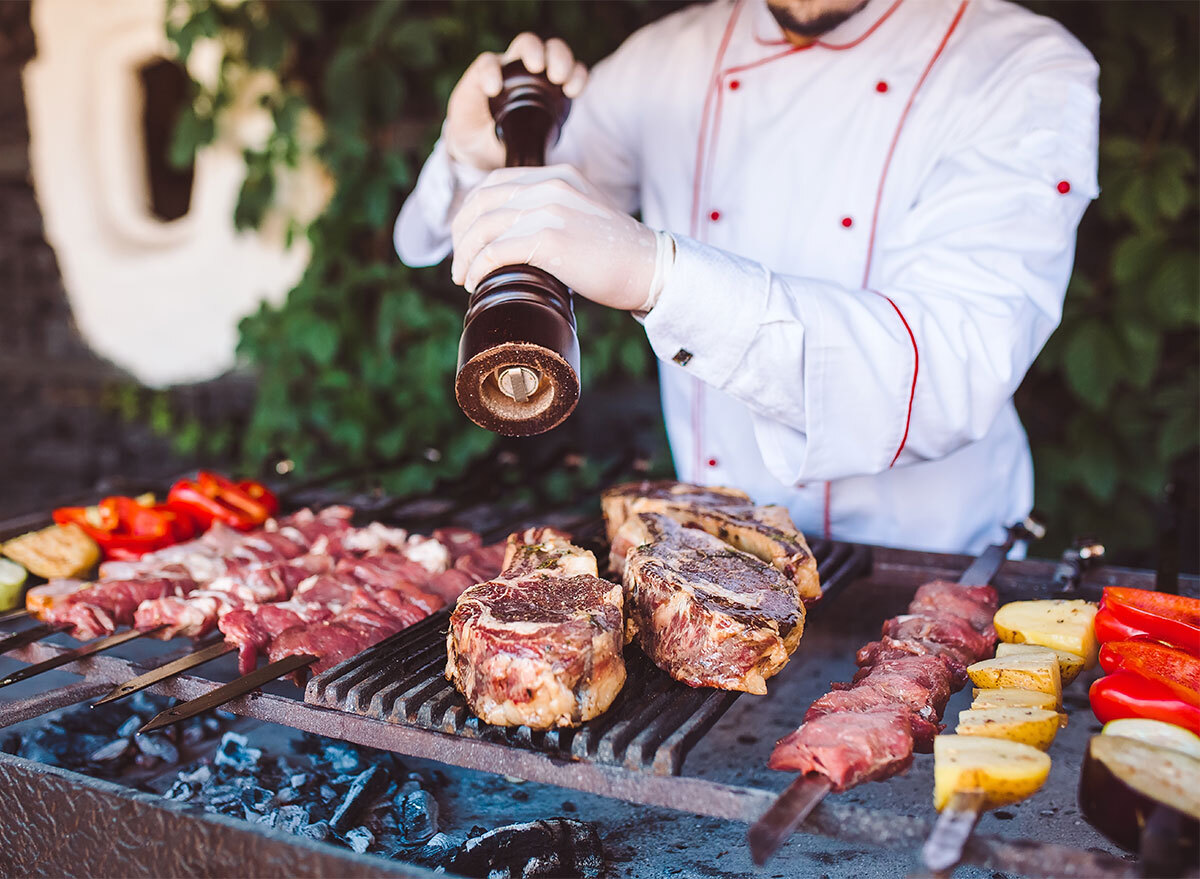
x: 874, y: 237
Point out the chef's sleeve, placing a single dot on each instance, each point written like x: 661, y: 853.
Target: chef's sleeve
x: 599, y: 138
x: 964, y: 290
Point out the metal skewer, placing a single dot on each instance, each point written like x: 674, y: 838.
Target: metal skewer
x: 219, y: 696
x: 170, y: 669
x: 796, y: 803
x: 77, y: 653
x: 787, y: 813
x: 28, y: 636
x: 949, y: 836
x: 16, y: 614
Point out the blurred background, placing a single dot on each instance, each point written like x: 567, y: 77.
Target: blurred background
x: 196, y: 204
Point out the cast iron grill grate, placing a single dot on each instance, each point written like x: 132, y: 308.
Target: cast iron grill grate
x: 652, y: 725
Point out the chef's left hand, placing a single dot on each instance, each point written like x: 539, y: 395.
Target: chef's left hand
x: 552, y: 218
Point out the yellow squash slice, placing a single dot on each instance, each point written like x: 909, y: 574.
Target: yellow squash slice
x: 1005, y: 772
x: 1029, y: 726
x: 1057, y: 623
x: 1038, y: 673
x: 1069, y: 664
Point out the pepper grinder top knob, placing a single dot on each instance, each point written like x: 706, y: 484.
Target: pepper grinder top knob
x: 529, y: 112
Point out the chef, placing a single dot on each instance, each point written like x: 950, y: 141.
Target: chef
x: 857, y: 226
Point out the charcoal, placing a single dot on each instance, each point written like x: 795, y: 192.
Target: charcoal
x: 342, y: 758
x: 360, y: 839
x: 257, y: 798
x: 193, y: 734
x: 292, y: 818
x: 155, y: 745
x: 363, y: 791
x: 286, y: 795
x: 111, y: 751
x: 298, y: 779
x: 130, y: 727
x: 235, y: 753
x: 180, y: 791
x: 418, y: 814
x: 270, y: 819
x: 317, y: 830
x: 558, y: 847
x: 144, y: 704
x: 327, y: 792
x: 200, y: 775
x: 438, y: 852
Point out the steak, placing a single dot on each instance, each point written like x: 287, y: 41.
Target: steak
x: 934, y: 673
x: 947, y: 630
x: 850, y: 748
x: 766, y: 532
x: 884, y: 693
x: 890, y: 648
x: 707, y: 614
x: 540, y: 645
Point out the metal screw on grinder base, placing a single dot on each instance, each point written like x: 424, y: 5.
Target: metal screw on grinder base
x: 518, y: 382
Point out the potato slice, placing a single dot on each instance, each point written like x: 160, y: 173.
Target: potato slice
x: 1011, y: 697
x: 55, y: 552
x: 1038, y: 673
x: 1005, y: 772
x: 1057, y: 623
x: 1069, y: 664
x: 1029, y: 726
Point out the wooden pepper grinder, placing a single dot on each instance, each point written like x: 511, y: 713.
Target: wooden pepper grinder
x: 518, y: 359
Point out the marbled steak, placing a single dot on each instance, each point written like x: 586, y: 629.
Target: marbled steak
x: 541, y: 644
x: 706, y: 613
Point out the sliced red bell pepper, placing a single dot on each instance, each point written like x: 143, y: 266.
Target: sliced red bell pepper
x: 1174, y: 619
x: 262, y: 494
x: 1109, y: 628
x: 126, y: 528
x: 1124, y: 694
x: 1171, y: 666
x: 212, y: 498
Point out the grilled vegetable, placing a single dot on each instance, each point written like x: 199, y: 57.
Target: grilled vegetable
x: 1069, y: 664
x: 1029, y: 726
x: 12, y: 578
x: 1176, y: 668
x: 1011, y: 697
x: 1006, y: 772
x: 1143, y: 796
x: 127, y: 528
x: 1125, y: 694
x: 57, y: 551
x: 212, y: 498
x: 1038, y: 673
x: 1155, y: 732
x: 1174, y: 619
x: 1056, y: 623
x: 1109, y: 628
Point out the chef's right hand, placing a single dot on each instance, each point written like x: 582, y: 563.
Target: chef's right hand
x: 470, y: 131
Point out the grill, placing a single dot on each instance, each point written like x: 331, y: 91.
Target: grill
x: 651, y: 727
x: 393, y: 697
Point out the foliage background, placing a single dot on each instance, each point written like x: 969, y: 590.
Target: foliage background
x: 355, y: 370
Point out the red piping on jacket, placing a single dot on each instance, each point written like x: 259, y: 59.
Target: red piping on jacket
x: 887, y: 163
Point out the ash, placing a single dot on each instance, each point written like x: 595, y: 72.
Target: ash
x: 368, y: 801
x: 102, y: 742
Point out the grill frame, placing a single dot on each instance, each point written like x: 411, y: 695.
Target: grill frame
x: 894, y: 572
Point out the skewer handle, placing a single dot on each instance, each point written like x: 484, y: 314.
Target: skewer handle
x: 944, y: 848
